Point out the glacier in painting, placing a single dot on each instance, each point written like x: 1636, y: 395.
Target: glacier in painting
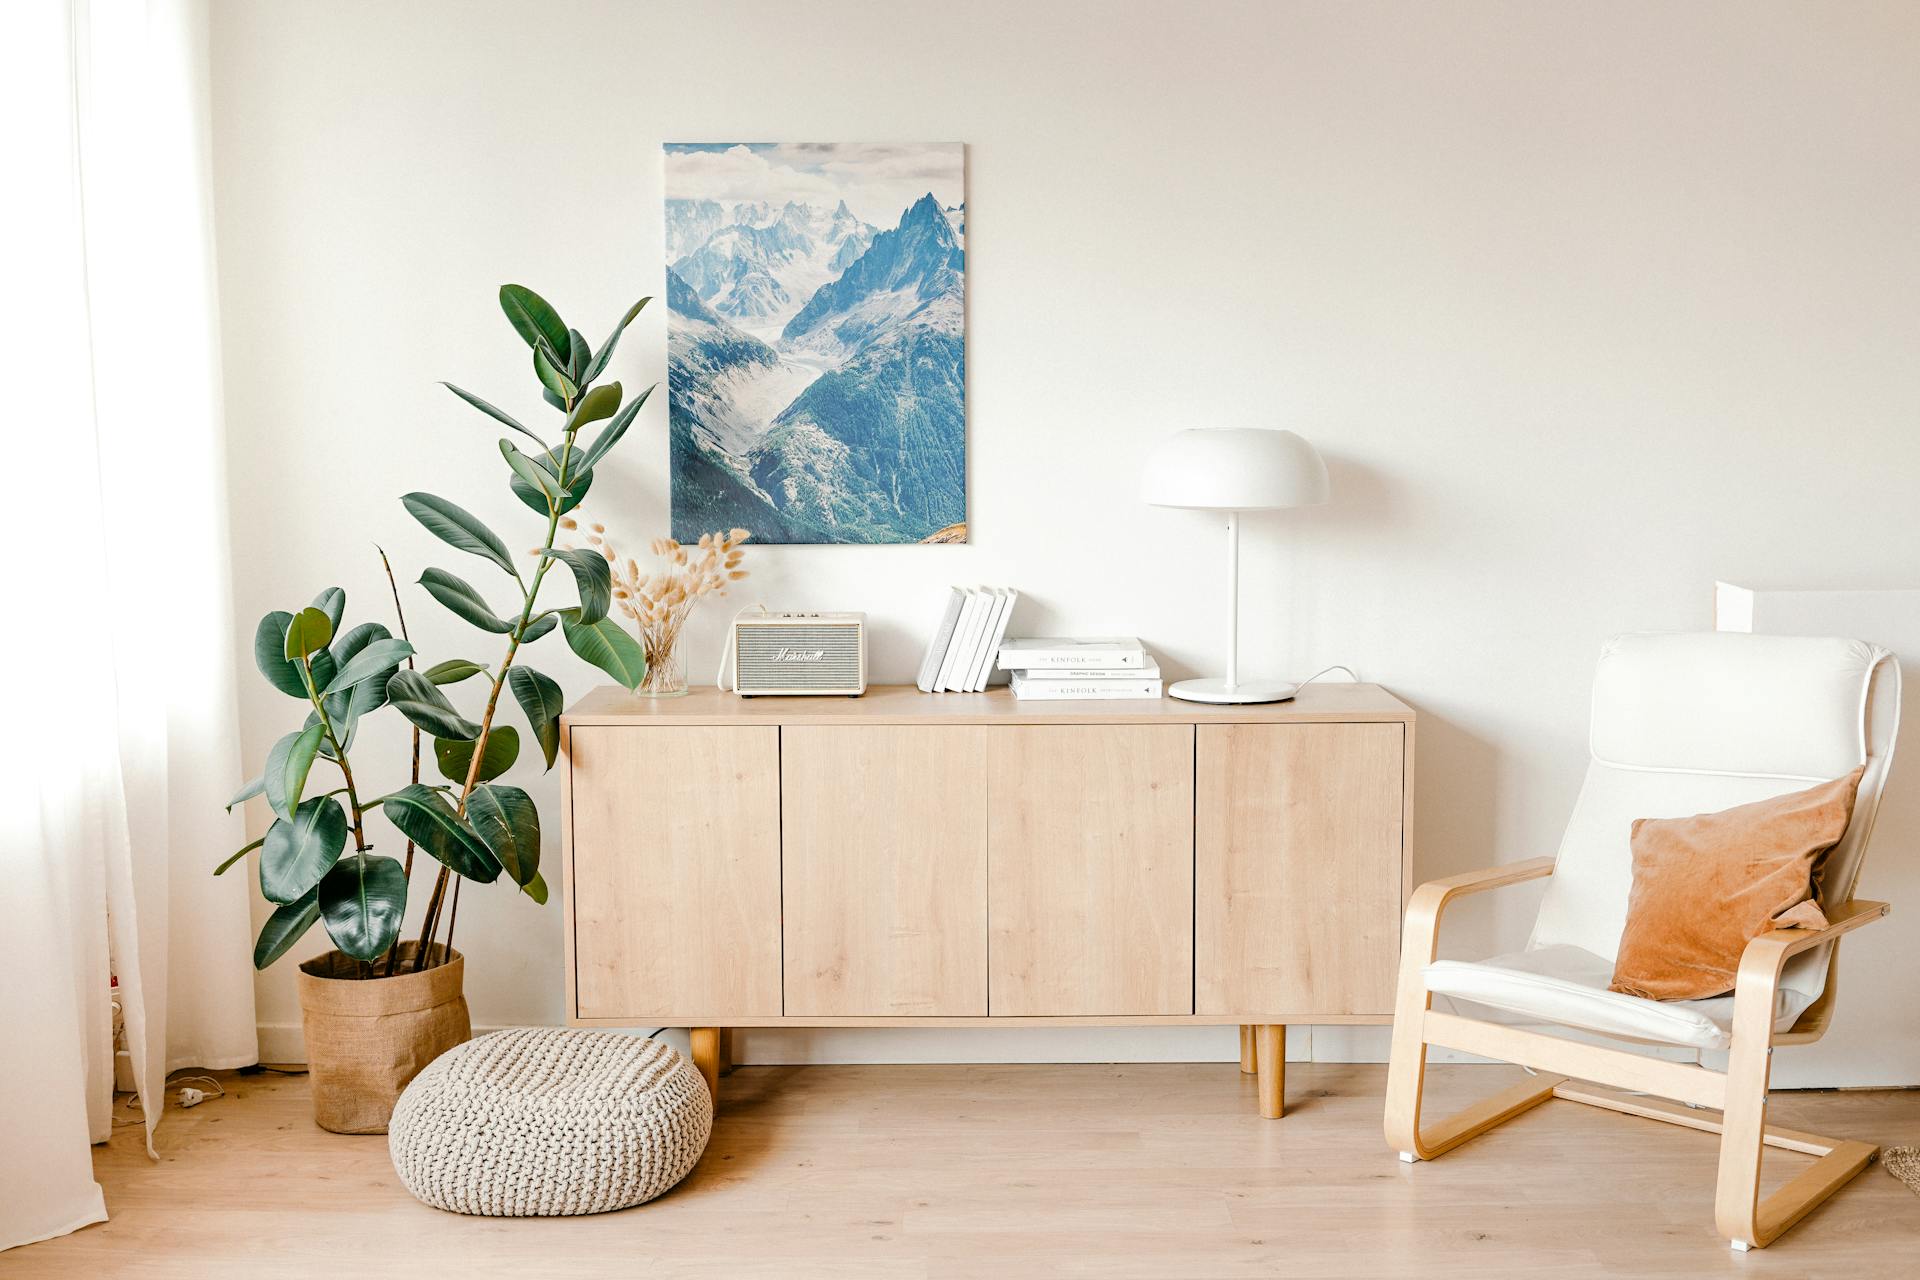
x: 816, y: 340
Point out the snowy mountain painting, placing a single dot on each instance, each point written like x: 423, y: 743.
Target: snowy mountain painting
x: 816, y: 340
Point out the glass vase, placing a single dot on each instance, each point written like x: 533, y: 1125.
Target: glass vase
x: 666, y: 674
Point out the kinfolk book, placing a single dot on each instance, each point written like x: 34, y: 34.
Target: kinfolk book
x: 1104, y: 652
x: 1031, y: 687
x: 1150, y: 671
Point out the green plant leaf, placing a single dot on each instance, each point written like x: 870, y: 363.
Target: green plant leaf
x: 346, y: 647
x: 309, y: 632
x: 453, y: 755
x: 542, y: 701
x: 536, y: 888
x: 238, y: 854
x: 345, y: 710
x: 532, y: 318
x: 498, y: 415
x: 599, y: 362
x: 270, y: 654
x: 607, y: 647
x: 333, y: 603
x: 378, y: 659
x: 346, y: 707
x: 592, y: 575
x: 552, y: 399
x: 506, y: 819
x: 326, y: 748
x: 248, y: 792
x: 578, y: 353
x: 297, y: 853
x: 601, y: 402
x: 553, y: 378
x: 363, y: 899
x: 424, y: 816
x: 458, y: 527
x: 416, y: 698
x: 288, y: 763
x: 611, y: 434
x: 525, y: 468
x: 539, y: 627
x: 458, y: 595
x: 453, y: 671
x: 285, y: 927
x: 579, y: 479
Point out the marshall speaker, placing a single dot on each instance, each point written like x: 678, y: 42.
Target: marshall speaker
x: 799, y: 653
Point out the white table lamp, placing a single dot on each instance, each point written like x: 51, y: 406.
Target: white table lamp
x: 1233, y: 470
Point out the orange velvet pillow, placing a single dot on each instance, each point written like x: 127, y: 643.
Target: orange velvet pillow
x: 1705, y: 886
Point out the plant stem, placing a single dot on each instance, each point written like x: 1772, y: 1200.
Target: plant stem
x: 453, y: 918
x: 393, y: 952
x: 432, y: 918
x: 339, y: 754
x: 513, y: 647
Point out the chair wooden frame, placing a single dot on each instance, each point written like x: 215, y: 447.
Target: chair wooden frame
x: 1739, y: 1093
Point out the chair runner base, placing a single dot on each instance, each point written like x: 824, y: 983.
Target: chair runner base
x: 1837, y: 1162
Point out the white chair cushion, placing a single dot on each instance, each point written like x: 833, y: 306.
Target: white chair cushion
x: 1697, y: 723
x: 1720, y: 702
x: 1566, y: 985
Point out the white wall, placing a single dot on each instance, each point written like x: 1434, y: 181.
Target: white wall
x: 1587, y: 305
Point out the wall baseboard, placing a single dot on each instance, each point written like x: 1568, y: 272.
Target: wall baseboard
x: 283, y: 1042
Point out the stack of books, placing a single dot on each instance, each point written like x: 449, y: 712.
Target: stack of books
x: 1098, y: 667
x: 959, y: 658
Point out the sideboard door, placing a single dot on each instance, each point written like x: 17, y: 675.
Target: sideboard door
x: 1298, y: 868
x: 1090, y: 870
x: 885, y: 869
x: 675, y: 878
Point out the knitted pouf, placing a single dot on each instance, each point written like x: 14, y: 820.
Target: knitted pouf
x: 544, y: 1122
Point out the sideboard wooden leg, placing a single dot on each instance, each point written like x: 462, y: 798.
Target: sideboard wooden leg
x: 706, y: 1056
x: 1249, y: 1056
x: 1270, y: 1051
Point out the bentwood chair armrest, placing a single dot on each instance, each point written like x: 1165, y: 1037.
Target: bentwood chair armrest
x: 1432, y: 898
x: 1766, y: 955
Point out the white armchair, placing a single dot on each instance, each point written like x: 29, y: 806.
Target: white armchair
x: 1681, y: 724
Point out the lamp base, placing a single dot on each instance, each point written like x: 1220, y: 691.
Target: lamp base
x: 1215, y: 690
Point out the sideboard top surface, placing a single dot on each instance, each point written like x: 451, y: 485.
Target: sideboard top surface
x: 904, y: 704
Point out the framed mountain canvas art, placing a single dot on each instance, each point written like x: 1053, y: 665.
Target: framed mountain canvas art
x: 816, y: 340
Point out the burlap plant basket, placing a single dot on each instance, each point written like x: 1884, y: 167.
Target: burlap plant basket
x: 366, y: 1038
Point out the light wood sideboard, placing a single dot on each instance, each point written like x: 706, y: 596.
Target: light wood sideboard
x: 966, y: 859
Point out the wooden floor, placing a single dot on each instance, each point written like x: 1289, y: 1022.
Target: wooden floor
x: 1010, y: 1171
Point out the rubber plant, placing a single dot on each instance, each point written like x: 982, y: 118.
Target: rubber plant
x: 472, y: 824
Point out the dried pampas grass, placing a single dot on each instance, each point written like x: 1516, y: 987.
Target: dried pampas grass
x: 660, y: 602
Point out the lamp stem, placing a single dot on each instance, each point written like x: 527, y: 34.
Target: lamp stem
x: 1233, y: 600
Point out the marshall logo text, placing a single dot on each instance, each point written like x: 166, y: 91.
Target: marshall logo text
x: 798, y: 655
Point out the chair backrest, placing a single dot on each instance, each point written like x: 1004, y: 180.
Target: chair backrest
x: 1698, y: 722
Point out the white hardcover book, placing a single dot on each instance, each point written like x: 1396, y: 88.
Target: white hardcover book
x: 1151, y: 671
x: 990, y: 638
x: 1093, y: 651
x: 989, y: 610
x: 1000, y: 634
x: 942, y: 637
x: 966, y: 634
x: 1025, y: 686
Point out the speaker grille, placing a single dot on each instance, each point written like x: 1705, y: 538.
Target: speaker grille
x: 798, y: 656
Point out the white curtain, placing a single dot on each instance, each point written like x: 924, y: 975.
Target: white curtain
x: 118, y: 657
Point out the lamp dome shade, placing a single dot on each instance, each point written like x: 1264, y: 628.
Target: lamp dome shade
x: 1234, y: 469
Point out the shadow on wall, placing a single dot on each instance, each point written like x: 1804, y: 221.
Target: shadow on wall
x: 1454, y: 806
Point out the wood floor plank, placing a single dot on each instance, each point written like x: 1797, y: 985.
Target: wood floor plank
x: 1152, y: 1170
